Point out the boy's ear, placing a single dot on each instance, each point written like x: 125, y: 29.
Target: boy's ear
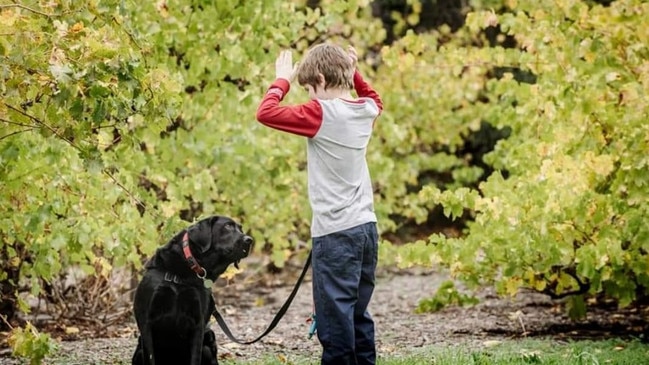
x: 322, y: 82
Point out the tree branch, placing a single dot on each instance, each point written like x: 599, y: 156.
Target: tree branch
x: 21, y: 6
x: 128, y: 192
x: 16, y: 132
x: 16, y: 123
x: 40, y: 122
x: 128, y: 33
x: 584, y: 287
x: 137, y: 201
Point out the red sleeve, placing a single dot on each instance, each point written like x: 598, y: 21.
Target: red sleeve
x: 364, y: 90
x: 304, y: 119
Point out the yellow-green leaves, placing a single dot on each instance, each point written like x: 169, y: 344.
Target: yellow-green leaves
x: 557, y: 215
x: 28, y: 342
x: 122, y: 120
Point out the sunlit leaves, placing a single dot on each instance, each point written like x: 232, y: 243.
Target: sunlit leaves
x: 558, y: 223
x: 128, y: 115
x: 74, y: 89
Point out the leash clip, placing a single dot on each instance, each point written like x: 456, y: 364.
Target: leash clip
x: 312, y: 328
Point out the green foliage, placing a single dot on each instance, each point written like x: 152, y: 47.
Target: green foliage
x: 446, y: 295
x: 562, y: 212
x: 120, y: 118
x: 231, y: 163
x: 121, y: 121
x: 76, y: 92
x: 29, y: 343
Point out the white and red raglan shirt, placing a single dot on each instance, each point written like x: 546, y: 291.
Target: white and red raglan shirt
x: 338, y: 131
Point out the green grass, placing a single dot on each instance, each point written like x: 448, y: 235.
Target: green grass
x: 527, y: 352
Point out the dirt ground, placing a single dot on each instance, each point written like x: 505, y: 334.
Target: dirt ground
x: 249, y: 305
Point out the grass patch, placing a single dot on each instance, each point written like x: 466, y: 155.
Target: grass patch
x: 524, y: 352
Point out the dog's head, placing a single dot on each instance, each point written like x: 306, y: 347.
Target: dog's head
x: 218, y: 241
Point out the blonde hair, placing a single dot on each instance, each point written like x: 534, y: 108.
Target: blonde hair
x: 332, y: 62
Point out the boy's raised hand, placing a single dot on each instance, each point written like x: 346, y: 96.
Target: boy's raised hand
x: 353, y: 56
x: 284, y: 68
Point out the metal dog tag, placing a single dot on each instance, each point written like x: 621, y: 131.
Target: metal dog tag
x: 208, y: 283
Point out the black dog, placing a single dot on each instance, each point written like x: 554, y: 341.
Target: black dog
x: 173, y: 302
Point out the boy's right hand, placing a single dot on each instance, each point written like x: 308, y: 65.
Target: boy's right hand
x: 284, y: 68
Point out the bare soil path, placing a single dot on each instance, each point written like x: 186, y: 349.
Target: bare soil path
x: 249, y: 306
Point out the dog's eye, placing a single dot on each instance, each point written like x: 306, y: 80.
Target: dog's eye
x: 229, y: 227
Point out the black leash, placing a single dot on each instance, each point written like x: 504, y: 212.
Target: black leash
x: 278, y: 316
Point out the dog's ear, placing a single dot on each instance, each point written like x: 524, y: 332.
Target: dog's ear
x: 201, y: 234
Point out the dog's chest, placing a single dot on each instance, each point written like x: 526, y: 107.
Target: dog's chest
x: 177, y: 305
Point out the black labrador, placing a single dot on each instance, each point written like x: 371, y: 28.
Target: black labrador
x: 173, y: 301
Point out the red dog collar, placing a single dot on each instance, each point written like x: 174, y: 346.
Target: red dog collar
x: 193, y: 264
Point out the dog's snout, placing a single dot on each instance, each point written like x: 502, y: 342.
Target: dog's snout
x: 248, y: 240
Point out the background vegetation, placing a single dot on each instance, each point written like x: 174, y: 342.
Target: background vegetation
x: 512, y: 151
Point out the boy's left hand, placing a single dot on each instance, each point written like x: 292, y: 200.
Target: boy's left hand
x: 284, y: 68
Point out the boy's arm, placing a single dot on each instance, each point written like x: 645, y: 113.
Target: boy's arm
x: 304, y: 119
x: 364, y: 90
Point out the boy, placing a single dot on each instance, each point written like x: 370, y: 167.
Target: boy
x: 343, y: 229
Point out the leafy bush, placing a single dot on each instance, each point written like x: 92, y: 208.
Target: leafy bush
x: 29, y: 343
x: 124, y: 121
x: 446, y: 295
x: 562, y: 213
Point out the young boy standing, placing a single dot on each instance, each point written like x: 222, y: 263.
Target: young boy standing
x: 344, y: 235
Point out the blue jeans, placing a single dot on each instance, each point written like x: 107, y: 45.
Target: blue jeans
x: 343, y: 282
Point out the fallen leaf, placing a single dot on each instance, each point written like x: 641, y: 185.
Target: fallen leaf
x: 491, y: 343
